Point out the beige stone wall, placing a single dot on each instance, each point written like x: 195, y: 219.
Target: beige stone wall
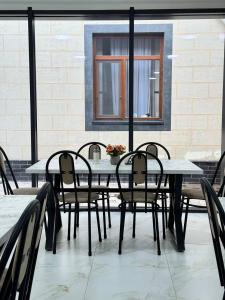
x: 196, y: 90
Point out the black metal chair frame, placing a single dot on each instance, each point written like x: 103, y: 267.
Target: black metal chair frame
x: 154, y: 206
x: 104, y: 196
x: 91, y: 205
x: 163, y: 195
x: 6, y: 186
x: 186, y: 201
x: 12, y: 256
x: 43, y: 198
x: 215, y: 209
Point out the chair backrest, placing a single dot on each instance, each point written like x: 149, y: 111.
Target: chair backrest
x: 139, y: 174
x: 153, y: 148
x: 216, y: 216
x: 4, y: 165
x: 43, y: 197
x: 17, y: 255
x: 67, y: 172
x: 220, y: 170
x: 92, y: 147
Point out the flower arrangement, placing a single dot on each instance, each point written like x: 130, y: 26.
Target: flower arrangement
x: 115, y: 150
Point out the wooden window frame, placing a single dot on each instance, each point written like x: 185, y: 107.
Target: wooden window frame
x: 122, y: 60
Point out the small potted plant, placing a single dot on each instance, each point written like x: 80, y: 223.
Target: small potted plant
x: 115, y: 151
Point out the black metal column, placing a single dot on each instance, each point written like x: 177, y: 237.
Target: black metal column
x: 33, y: 94
x: 131, y: 79
x: 223, y: 107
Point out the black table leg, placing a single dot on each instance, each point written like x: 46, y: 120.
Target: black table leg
x: 54, y: 219
x: 175, y: 212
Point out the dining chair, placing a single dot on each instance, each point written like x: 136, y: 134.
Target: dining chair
x: 43, y: 197
x: 69, y: 193
x: 216, y: 216
x: 92, y: 147
x: 17, y: 257
x: 157, y: 149
x: 6, y: 172
x: 194, y: 191
x: 138, y: 191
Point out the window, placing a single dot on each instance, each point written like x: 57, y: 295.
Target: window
x: 111, y: 55
x: 107, y: 77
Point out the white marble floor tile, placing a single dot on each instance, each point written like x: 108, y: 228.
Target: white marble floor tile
x: 138, y: 274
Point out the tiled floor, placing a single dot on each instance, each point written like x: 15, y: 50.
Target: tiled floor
x: 138, y: 274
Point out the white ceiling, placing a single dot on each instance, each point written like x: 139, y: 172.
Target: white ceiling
x: 110, y: 4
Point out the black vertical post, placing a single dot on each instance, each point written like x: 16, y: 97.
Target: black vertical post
x: 33, y: 94
x: 131, y: 79
x: 223, y: 116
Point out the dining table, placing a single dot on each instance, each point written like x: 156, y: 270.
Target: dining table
x: 176, y: 169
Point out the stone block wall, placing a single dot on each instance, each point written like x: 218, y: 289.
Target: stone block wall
x: 197, y: 75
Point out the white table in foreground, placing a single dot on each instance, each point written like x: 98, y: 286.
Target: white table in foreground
x: 11, y: 208
x: 222, y: 201
x: 172, y: 166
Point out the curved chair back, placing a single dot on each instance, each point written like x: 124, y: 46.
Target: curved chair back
x: 216, y: 216
x: 92, y: 146
x: 43, y: 197
x: 16, y: 259
x: 67, y: 173
x: 139, y: 174
x: 153, y: 148
x: 4, y: 166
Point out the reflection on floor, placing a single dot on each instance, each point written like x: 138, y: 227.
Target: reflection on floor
x: 139, y: 273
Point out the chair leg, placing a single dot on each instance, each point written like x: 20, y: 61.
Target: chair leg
x: 78, y: 214
x: 54, y: 235
x: 122, y: 221
x: 134, y: 219
x: 163, y: 216
x: 108, y: 209
x: 166, y: 210
x: 104, y: 220
x: 98, y: 222
x: 153, y: 222
x: 186, y: 217
x: 89, y: 229
x: 75, y: 222
x: 69, y: 222
x: 157, y: 229
x: 224, y: 295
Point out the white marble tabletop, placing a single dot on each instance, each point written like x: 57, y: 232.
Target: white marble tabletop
x: 11, y: 208
x: 173, y: 166
x: 222, y: 201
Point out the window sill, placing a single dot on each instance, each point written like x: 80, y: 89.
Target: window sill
x: 120, y: 122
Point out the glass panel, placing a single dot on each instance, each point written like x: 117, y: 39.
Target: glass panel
x: 146, y: 45
x: 108, y: 88
x: 15, y: 96
x: 146, y: 88
x: 115, y: 45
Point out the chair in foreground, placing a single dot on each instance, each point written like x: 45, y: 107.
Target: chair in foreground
x: 43, y: 198
x: 194, y: 191
x: 8, y: 189
x: 17, y: 257
x: 69, y: 193
x: 216, y: 216
x: 156, y: 149
x: 95, y: 149
x: 138, y: 192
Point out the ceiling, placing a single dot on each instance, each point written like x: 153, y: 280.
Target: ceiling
x: 110, y: 4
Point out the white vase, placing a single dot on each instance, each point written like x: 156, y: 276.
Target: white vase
x: 114, y: 159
